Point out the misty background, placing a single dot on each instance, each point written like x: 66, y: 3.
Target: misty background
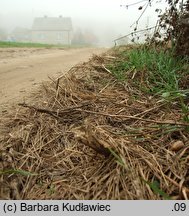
x: 107, y: 20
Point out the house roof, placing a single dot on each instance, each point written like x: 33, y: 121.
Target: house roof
x: 52, y: 24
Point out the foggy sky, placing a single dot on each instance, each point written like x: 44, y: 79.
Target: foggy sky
x: 104, y: 17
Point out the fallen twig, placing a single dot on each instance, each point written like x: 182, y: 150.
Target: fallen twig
x: 77, y: 108
x: 53, y: 113
x: 171, y: 122
x: 50, y: 112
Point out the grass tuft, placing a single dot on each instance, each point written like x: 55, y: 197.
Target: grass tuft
x: 5, y: 44
x: 156, y: 189
x: 155, y: 70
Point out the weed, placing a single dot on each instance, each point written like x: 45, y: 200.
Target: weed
x: 120, y: 70
x: 180, y: 96
x: 157, y: 71
x: 117, y: 157
x: 156, y: 189
x: 51, y: 189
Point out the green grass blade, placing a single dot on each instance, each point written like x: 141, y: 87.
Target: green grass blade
x: 118, y: 158
x: 155, y: 187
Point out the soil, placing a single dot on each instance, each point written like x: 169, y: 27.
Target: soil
x: 23, y: 69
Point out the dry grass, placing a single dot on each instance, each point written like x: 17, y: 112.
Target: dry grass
x: 89, y: 137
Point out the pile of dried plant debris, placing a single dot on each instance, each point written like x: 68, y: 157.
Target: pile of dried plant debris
x: 87, y: 136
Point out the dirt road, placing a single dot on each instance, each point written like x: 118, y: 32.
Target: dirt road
x: 21, y: 70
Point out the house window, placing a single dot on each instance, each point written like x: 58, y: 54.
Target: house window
x: 41, y: 36
x: 60, y: 36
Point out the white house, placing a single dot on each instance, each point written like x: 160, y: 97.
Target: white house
x: 52, y: 30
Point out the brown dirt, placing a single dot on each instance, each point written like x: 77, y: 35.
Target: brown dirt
x: 22, y: 69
